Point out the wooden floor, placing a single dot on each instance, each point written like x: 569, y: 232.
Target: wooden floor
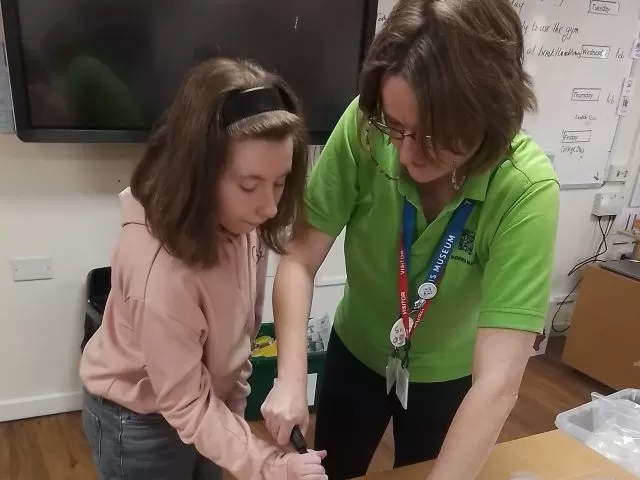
x: 54, y: 448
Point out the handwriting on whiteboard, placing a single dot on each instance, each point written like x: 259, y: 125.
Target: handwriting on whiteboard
x: 576, y: 136
x: 563, y: 32
x: 596, y: 51
x: 384, y: 9
x: 598, y: 7
x: 518, y: 5
x: 604, y: 7
x: 585, y: 94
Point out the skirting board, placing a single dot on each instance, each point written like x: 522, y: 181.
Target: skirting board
x: 38, y: 406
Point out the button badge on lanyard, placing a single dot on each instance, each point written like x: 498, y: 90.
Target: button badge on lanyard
x: 398, y: 334
x: 427, y: 290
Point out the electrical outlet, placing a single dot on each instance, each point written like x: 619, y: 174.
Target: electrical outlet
x: 559, y: 313
x: 31, y: 268
x: 617, y: 174
x: 607, y: 204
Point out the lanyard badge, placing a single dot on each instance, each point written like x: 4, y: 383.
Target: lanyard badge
x: 402, y: 330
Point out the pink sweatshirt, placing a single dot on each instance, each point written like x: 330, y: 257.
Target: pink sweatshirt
x: 177, y: 341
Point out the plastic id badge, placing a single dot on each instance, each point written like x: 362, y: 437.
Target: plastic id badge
x: 393, y: 365
x: 402, y: 386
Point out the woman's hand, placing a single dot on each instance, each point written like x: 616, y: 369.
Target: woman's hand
x: 306, y: 466
x: 285, y: 407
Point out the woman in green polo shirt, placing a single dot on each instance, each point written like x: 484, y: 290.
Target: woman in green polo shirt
x: 450, y: 214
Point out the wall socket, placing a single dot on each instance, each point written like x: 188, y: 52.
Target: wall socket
x: 31, y: 268
x: 562, y: 315
x: 607, y: 204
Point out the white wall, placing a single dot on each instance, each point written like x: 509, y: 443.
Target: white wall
x: 58, y: 201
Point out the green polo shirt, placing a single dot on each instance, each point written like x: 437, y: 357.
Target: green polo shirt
x: 498, y: 276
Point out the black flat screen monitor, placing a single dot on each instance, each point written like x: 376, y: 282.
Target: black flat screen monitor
x: 105, y: 70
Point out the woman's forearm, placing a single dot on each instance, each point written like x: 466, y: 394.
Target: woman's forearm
x: 473, y: 434
x: 292, y: 296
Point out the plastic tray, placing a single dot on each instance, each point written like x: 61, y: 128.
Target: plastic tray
x: 578, y: 422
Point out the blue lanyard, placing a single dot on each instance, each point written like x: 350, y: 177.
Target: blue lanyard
x: 447, y: 242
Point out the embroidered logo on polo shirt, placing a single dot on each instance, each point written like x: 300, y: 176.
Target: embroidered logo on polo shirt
x: 466, y: 242
x: 466, y: 247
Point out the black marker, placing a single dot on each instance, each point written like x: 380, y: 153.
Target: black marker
x: 298, y: 441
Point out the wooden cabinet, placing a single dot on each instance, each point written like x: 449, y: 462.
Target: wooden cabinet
x: 604, y: 339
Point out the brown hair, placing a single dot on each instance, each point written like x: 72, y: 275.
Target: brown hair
x: 177, y: 177
x: 464, y: 62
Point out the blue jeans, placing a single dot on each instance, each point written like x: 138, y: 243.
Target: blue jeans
x: 131, y: 446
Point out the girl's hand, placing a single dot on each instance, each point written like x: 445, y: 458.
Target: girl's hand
x: 306, y: 466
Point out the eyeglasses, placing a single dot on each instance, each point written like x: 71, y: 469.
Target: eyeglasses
x: 397, y: 133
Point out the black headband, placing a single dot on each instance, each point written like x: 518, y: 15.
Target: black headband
x: 241, y: 104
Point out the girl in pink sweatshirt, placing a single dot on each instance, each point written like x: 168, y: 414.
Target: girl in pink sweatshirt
x: 166, y: 373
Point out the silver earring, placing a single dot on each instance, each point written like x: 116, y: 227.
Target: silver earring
x: 454, y: 178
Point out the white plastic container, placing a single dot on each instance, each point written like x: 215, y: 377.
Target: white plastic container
x: 578, y: 422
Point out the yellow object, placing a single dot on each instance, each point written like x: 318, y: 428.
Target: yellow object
x: 261, y: 342
x: 270, y: 350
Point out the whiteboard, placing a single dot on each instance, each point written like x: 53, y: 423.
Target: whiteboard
x: 578, y: 53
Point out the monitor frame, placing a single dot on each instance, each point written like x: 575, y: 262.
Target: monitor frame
x: 26, y: 132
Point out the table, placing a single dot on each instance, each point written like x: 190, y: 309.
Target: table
x: 605, y: 327
x: 552, y: 455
